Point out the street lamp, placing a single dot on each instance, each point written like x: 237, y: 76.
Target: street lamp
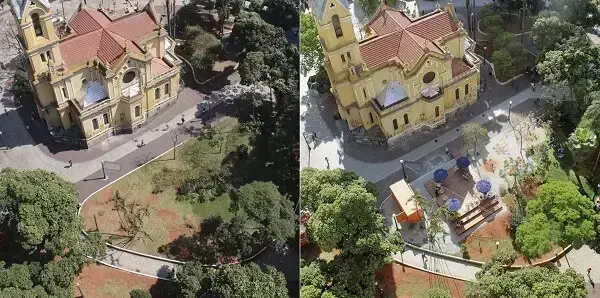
x: 484, y: 55
x: 497, y: 244
x: 4, y: 140
x: 403, y: 170
x: 509, y: 107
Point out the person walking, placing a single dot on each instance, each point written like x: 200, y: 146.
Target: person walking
x: 327, y: 160
x: 589, y: 270
x: 70, y: 163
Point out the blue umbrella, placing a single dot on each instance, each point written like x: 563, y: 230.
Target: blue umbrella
x: 440, y: 175
x: 484, y: 186
x: 453, y: 204
x: 463, y: 162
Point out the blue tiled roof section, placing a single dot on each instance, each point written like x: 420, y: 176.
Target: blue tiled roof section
x: 391, y: 94
x: 95, y: 93
x: 321, y: 5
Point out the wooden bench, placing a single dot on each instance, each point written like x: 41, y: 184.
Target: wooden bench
x: 473, y: 212
x: 476, y: 220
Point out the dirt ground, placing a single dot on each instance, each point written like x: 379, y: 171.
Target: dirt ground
x: 99, y: 281
x: 405, y: 282
x: 482, y: 242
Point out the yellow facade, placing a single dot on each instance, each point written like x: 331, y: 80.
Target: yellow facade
x: 62, y: 91
x: 358, y: 85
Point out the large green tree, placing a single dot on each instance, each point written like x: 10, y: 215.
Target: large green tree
x: 559, y: 214
x: 497, y: 281
x: 503, y: 63
x: 248, y: 280
x: 201, y: 47
x: 272, y: 211
x: 281, y: 13
x: 550, y: 30
x: 39, y: 215
x: 346, y: 218
x: 310, y: 47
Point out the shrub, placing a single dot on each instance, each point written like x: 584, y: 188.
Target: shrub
x: 465, y: 251
x: 138, y: 293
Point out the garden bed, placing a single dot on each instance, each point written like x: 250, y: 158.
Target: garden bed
x: 511, y: 23
x: 401, y: 281
x: 167, y: 218
x: 482, y: 242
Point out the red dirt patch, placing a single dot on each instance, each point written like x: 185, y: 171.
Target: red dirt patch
x: 481, y: 243
x: 149, y: 200
x: 167, y: 213
x: 103, y: 281
x: 400, y: 281
x: 105, y: 195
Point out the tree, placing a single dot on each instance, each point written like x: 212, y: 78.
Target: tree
x: 473, y: 133
x: 310, y: 291
x: 320, y: 187
x: 369, y: 7
x: 138, y: 293
x: 201, y: 47
x: 527, y: 282
x: 574, y: 64
x: 438, y: 293
x: 494, y: 25
x: 253, y: 69
x: 583, y: 13
x: 247, y: 280
x: 310, y: 47
x: 582, y: 144
x: 550, y: 30
x: 571, y: 213
x: 346, y: 219
x: 281, y: 13
x: 264, y: 204
x: 38, y: 212
x: 503, y: 63
x: 514, y: 5
x: 509, y: 42
x: 312, y: 274
x: 535, y: 236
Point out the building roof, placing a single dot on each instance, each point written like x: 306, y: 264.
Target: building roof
x: 391, y: 94
x: 91, y: 93
x: 459, y: 66
x: 96, y: 35
x: 19, y: 6
x: 320, y: 6
x: 403, y: 194
x: 399, y: 36
x: 158, y: 67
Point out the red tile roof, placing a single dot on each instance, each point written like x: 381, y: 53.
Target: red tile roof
x: 95, y: 35
x: 158, y: 67
x: 408, y: 39
x: 459, y: 66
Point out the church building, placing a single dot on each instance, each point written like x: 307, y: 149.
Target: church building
x: 406, y: 74
x: 95, y: 76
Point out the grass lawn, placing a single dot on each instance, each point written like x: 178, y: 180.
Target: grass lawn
x: 103, y: 281
x: 401, y: 281
x: 168, y: 218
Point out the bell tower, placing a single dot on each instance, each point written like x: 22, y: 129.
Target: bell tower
x: 336, y: 34
x: 38, y: 34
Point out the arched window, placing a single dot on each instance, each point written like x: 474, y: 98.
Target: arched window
x: 137, y: 111
x: 405, y: 119
x: 336, y: 25
x: 35, y: 19
x: 157, y: 93
x: 349, y: 57
x: 95, y: 123
x: 466, y: 89
x: 343, y: 58
x: 395, y: 123
x: 437, y: 111
x: 457, y: 93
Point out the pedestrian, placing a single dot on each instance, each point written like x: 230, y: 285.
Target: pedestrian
x: 490, y: 73
x: 533, y: 87
x: 327, y: 160
x: 70, y: 163
x: 182, y: 120
x: 589, y: 270
x: 313, y: 136
x: 447, y: 151
x: 142, y: 144
x: 535, y: 101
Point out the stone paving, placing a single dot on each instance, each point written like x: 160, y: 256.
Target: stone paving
x: 581, y: 259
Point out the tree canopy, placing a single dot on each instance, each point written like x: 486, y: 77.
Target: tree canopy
x: 310, y: 47
x: 247, y: 280
x: 345, y: 218
x: 550, y: 30
x: 39, y: 213
x: 264, y: 204
x: 201, y: 47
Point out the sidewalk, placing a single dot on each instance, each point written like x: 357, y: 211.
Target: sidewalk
x: 435, y: 263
